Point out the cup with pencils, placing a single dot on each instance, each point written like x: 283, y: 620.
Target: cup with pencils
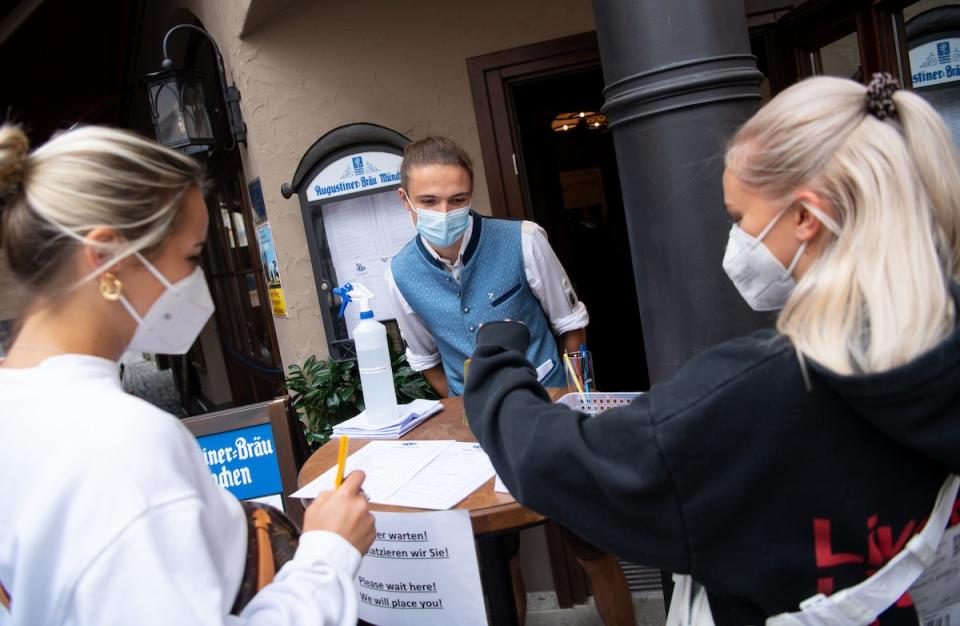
x: 578, y: 366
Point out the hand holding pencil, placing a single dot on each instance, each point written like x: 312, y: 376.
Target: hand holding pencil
x: 345, y: 510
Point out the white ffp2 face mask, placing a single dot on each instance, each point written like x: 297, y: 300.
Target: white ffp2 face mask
x: 176, y: 318
x: 763, y: 282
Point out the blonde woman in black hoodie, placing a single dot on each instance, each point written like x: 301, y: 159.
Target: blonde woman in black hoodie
x: 796, y: 461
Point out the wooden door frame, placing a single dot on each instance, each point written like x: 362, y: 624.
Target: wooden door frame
x: 878, y: 23
x: 499, y: 146
x: 222, y: 170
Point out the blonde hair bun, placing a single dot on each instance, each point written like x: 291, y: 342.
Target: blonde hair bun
x: 14, y: 149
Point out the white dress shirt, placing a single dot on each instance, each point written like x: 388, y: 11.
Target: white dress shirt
x: 111, y: 517
x: 547, y: 279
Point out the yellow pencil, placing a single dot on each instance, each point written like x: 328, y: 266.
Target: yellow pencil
x: 341, y: 460
x: 573, y: 374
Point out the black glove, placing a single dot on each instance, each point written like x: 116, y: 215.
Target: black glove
x: 508, y: 334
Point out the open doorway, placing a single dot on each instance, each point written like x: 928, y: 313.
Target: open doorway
x: 566, y: 181
x: 568, y: 170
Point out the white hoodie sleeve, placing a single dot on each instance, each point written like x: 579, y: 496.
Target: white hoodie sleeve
x: 161, y: 570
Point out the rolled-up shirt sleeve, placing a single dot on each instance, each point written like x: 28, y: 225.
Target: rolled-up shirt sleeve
x: 422, y: 352
x: 549, y: 282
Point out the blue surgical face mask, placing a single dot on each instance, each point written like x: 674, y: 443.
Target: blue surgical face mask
x: 442, y: 229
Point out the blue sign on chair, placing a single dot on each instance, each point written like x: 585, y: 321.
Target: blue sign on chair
x: 249, y: 452
x: 244, y: 461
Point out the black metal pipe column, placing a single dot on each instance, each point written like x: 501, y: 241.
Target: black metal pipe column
x: 679, y: 80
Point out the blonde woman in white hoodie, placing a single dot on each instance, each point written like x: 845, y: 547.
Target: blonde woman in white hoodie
x: 110, y: 514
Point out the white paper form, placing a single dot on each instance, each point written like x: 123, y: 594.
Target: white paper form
x: 449, y: 478
x: 388, y: 465
x: 499, y: 487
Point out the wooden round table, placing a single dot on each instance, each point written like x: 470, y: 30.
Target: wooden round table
x: 490, y: 512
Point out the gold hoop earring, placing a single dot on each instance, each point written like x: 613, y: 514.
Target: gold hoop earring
x: 110, y: 287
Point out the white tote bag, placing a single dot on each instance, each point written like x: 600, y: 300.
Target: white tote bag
x: 856, y: 606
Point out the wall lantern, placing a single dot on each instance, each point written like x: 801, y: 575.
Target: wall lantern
x: 178, y: 106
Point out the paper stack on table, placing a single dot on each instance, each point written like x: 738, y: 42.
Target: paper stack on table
x: 419, y: 474
x: 408, y: 416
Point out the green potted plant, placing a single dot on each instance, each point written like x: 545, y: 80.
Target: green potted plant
x: 327, y: 392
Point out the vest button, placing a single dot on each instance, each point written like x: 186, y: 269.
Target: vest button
x: 471, y: 329
x: 466, y: 309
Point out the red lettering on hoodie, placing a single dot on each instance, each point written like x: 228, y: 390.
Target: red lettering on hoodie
x: 825, y: 585
x: 824, y: 550
x: 880, y: 545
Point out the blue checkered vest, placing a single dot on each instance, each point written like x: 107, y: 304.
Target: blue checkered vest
x: 493, y: 286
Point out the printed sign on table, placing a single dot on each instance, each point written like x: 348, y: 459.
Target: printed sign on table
x: 421, y: 571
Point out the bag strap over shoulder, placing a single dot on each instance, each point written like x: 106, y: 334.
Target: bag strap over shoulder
x: 689, y: 605
x: 272, y: 540
x: 265, y: 566
x: 863, y: 603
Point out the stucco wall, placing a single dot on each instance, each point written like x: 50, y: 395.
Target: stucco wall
x: 314, y: 66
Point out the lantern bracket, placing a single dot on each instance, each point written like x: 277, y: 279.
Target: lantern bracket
x: 231, y: 95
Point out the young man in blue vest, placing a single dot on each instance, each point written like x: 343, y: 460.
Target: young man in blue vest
x: 463, y: 270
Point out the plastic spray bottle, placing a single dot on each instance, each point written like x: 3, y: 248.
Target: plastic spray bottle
x: 373, y: 357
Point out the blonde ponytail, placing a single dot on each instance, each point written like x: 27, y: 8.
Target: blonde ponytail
x: 878, y: 296
x: 938, y: 167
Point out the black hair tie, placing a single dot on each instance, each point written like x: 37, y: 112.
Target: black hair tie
x: 880, y: 96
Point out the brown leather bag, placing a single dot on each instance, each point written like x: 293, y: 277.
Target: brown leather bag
x: 272, y: 540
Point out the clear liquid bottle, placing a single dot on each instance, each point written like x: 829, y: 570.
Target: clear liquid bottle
x: 373, y: 358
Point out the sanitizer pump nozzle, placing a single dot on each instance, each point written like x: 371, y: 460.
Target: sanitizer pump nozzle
x: 351, y: 292
x: 373, y: 357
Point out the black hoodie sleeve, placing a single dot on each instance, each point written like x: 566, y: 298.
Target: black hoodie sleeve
x: 603, y: 477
